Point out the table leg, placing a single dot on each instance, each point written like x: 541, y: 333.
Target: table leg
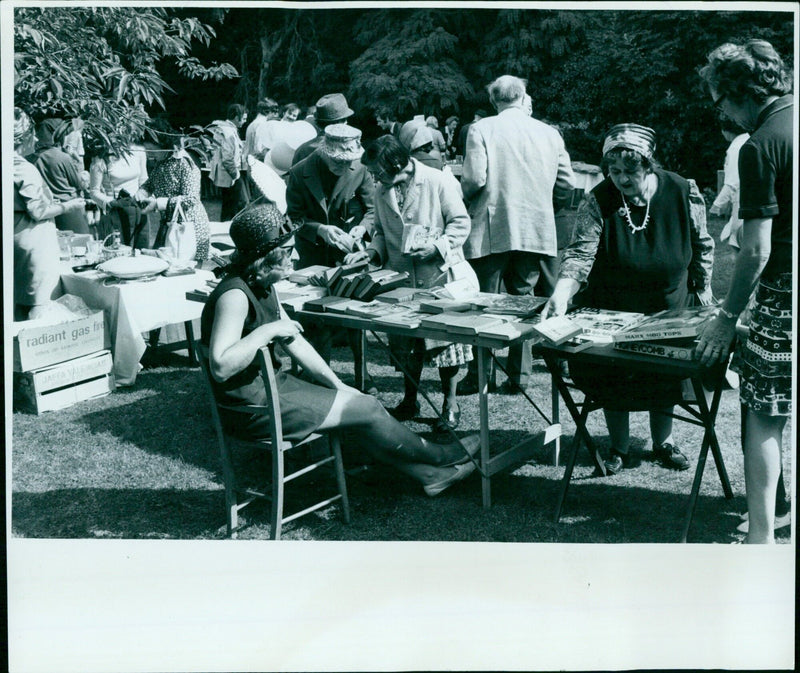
x: 190, y: 342
x: 483, y: 405
x: 575, y: 446
x: 556, y: 418
x: 361, y: 360
x: 708, y: 416
x: 576, y: 414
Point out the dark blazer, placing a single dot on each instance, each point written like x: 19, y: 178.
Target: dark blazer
x: 351, y: 203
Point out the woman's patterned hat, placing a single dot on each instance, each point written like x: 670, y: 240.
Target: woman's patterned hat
x: 641, y: 139
x: 258, y: 230
x: 341, y: 142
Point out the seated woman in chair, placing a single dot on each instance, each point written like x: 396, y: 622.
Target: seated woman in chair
x: 244, y: 313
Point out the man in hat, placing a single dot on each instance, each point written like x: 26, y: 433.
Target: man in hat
x: 332, y: 108
x: 330, y: 193
x: 514, y: 167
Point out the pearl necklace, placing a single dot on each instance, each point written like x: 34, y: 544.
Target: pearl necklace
x: 631, y: 225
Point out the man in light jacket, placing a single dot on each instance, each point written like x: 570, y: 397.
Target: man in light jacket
x: 514, y: 166
x: 227, y: 162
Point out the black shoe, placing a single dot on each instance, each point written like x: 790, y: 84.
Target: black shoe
x: 617, y: 462
x: 670, y: 456
x: 449, y: 420
x: 405, y: 411
x: 469, y: 386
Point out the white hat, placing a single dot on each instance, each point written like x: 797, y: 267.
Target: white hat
x: 280, y: 157
x: 341, y: 142
x: 414, y: 134
x: 269, y: 183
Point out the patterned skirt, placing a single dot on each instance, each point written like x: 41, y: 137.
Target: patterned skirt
x: 435, y: 353
x: 764, y: 360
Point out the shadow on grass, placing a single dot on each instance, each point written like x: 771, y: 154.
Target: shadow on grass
x: 390, y: 507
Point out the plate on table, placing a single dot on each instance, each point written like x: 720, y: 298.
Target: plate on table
x: 128, y: 268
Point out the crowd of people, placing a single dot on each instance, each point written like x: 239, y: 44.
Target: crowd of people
x: 305, y: 189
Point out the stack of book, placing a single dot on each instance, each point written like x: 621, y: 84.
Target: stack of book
x: 470, y: 322
x: 366, y: 285
x: 601, y: 325
x: 668, y: 334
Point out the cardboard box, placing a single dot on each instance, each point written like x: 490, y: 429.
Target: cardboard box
x: 37, y: 346
x: 62, y: 385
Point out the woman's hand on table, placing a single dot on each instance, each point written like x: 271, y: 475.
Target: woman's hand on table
x: 716, y: 336
x: 357, y: 257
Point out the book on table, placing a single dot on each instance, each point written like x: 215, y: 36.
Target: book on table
x: 471, y: 322
x: 369, y: 280
x: 321, y: 304
x: 399, y: 295
x: 398, y: 279
x: 558, y: 329
x: 523, y: 306
x: 400, y: 316
x: 417, y: 236
x: 343, y: 307
x: 678, y: 323
x: 577, y: 344
x: 304, y: 276
x: 674, y: 349
x: 442, y: 305
x: 600, y: 325
x: 367, y: 309
x: 513, y: 329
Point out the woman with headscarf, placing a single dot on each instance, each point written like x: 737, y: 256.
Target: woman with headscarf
x: 244, y: 314
x: 750, y: 84
x: 60, y: 172
x: 36, y: 253
x: 639, y: 244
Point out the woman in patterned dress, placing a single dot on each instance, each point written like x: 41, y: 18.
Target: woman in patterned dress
x: 409, y: 192
x: 177, y: 180
x: 750, y: 84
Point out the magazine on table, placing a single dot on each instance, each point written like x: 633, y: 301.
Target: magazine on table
x: 600, y: 324
x: 674, y: 349
x: 670, y: 324
x: 520, y: 305
x: 558, y: 329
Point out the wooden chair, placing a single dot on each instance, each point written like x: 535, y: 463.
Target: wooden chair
x: 278, y: 448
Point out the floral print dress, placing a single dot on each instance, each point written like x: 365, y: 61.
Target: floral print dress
x: 178, y: 179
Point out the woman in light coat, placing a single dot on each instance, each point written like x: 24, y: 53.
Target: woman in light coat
x: 412, y: 195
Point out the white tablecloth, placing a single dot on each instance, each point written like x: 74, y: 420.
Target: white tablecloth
x: 134, y: 307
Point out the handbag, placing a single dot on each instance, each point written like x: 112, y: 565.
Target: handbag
x: 181, y: 239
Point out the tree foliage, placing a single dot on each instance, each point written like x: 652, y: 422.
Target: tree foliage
x: 101, y: 64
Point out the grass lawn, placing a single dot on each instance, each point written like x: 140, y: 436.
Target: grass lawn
x: 142, y: 463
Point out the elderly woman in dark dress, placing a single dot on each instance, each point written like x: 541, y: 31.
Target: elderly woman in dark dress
x: 640, y: 244
x: 749, y: 84
x: 244, y: 313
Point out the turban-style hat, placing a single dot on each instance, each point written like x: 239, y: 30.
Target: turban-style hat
x: 641, y: 139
